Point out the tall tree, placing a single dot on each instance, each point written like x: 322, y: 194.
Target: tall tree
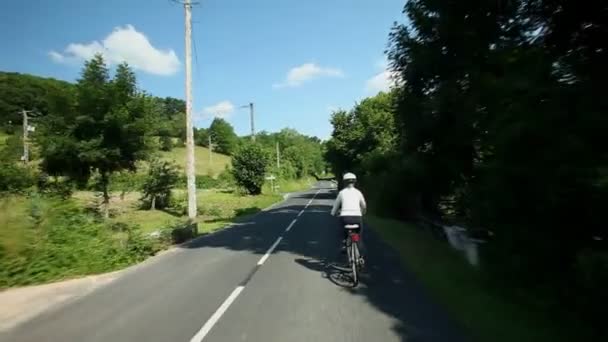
x: 223, y: 136
x: 249, y: 167
x: 106, y: 131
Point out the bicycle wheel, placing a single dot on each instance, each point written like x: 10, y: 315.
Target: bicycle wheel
x: 353, y: 263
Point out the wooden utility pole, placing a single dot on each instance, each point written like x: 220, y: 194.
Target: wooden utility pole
x: 252, y: 121
x: 278, y: 157
x: 26, y: 129
x: 191, y: 179
x: 26, y: 151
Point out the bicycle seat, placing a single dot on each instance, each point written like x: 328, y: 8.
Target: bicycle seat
x: 351, y: 226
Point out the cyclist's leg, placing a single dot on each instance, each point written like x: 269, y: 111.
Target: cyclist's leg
x: 359, y: 221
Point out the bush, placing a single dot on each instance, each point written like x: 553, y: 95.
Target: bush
x: 226, y: 179
x: 64, y: 241
x: 127, y: 181
x: 15, y: 178
x: 206, y: 182
x: 162, y: 177
x: 249, y: 168
x: 54, y: 186
x: 166, y: 143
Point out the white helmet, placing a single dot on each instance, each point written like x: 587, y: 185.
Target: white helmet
x: 349, y: 177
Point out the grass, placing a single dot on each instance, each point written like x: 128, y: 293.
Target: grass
x: 14, y: 222
x: 218, y: 209
x: 291, y: 185
x: 43, y: 239
x: 3, y: 137
x: 201, y: 157
x: 483, y: 311
x: 46, y: 239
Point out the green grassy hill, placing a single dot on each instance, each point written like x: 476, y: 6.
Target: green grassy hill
x: 201, y: 157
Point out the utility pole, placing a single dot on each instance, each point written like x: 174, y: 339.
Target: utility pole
x: 26, y: 129
x: 191, y: 180
x: 26, y: 151
x: 252, y: 121
x: 278, y: 157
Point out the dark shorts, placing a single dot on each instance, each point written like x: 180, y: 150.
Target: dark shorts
x: 344, y: 220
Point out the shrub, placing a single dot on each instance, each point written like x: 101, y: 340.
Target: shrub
x: 64, y: 241
x: 226, y: 179
x: 15, y: 178
x: 54, y: 186
x: 166, y: 143
x: 249, y: 168
x: 206, y: 182
x: 162, y: 177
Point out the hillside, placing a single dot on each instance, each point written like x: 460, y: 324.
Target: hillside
x: 201, y: 156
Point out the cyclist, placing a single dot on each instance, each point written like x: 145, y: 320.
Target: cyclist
x: 351, y: 205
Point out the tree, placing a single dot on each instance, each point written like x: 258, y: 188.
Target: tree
x: 222, y: 136
x: 166, y: 143
x: 162, y: 178
x: 107, y: 130
x: 201, y: 137
x: 22, y: 91
x: 249, y: 167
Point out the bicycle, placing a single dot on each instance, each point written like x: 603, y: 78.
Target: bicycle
x: 355, y: 260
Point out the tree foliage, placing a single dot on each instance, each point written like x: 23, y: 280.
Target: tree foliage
x: 300, y: 155
x: 161, y: 179
x: 249, y: 167
x: 499, y: 123
x: 223, y: 138
x: 21, y: 91
x: 105, y: 129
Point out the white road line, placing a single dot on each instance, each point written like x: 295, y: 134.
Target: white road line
x: 274, y: 245
x: 300, y: 213
x: 291, y: 225
x: 200, y: 335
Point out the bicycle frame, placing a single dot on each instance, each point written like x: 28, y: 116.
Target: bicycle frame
x: 352, y: 250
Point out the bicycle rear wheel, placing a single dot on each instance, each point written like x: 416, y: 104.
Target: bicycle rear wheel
x: 354, y: 257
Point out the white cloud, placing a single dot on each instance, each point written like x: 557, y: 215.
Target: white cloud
x: 221, y: 109
x: 382, y: 81
x: 56, y: 57
x: 306, y: 72
x: 123, y: 44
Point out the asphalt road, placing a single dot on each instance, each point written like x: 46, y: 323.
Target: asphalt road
x: 226, y: 287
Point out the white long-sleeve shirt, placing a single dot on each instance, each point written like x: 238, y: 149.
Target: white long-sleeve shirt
x: 350, y: 202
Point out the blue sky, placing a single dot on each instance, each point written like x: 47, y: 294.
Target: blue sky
x: 296, y: 60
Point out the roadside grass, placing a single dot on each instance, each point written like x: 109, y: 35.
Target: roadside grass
x: 290, y: 185
x: 483, y: 311
x: 14, y: 223
x: 45, y: 239
x: 220, y: 208
x: 201, y: 155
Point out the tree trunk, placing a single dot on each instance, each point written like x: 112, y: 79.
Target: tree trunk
x: 153, y: 203
x: 106, y: 195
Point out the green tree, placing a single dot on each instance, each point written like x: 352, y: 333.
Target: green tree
x: 22, y: 91
x: 201, y: 137
x: 166, y: 143
x: 222, y: 136
x: 161, y: 179
x: 249, y: 167
x: 106, y: 131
